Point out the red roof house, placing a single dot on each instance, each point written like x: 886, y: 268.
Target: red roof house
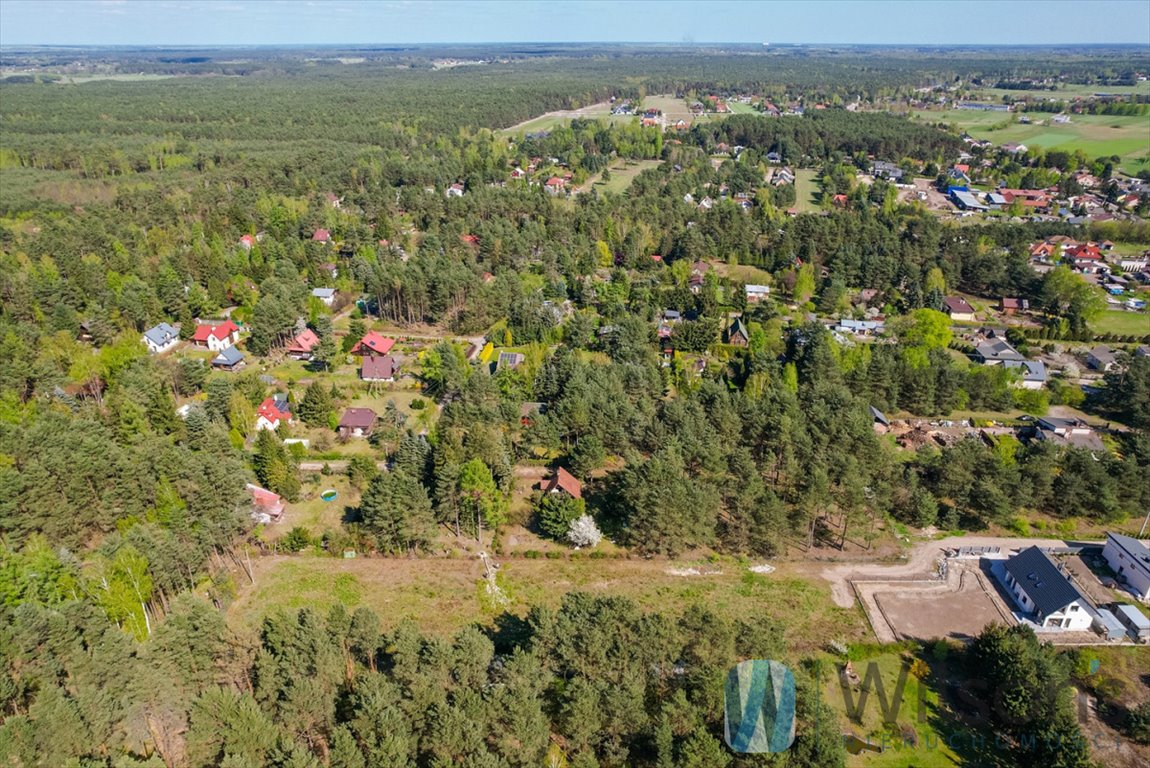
x: 378, y: 368
x: 321, y: 236
x: 373, y: 343
x: 267, y: 507
x: 301, y: 346
x: 217, y: 337
x: 1085, y: 252
x: 357, y: 422
x: 563, y: 481
x: 247, y: 241
x: 272, y: 412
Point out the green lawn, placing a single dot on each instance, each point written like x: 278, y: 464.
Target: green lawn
x: 1096, y: 135
x: 1123, y: 323
x: 622, y: 174
x: 806, y: 190
x: 441, y: 595
x: 927, y: 748
x: 314, y: 513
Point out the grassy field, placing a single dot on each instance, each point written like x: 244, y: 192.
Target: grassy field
x: 931, y: 749
x: 1096, y: 135
x: 443, y: 594
x: 744, y: 273
x: 1123, y: 323
x: 1065, y: 91
x: 806, y: 190
x: 622, y: 174
x: 546, y: 122
x: 673, y: 109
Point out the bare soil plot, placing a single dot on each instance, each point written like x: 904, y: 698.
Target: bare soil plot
x: 958, y: 615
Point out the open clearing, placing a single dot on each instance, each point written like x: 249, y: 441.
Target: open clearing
x: 622, y: 174
x: 443, y: 594
x: 927, y: 748
x: 806, y: 190
x: 549, y: 120
x: 1096, y: 135
x: 1122, y: 322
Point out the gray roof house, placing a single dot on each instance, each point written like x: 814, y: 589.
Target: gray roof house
x: 1041, y: 588
x: 326, y: 295
x: 161, y: 338
x: 509, y: 360
x: 1033, y: 372
x: 1101, y: 358
x: 1069, y: 432
x: 997, y: 352
x: 1129, y: 558
x: 229, y: 359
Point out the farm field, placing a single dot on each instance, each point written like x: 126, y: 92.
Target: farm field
x: 444, y: 595
x: 1123, y: 323
x: 1096, y: 135
x: 1066, y: 91
x: 806, y: 190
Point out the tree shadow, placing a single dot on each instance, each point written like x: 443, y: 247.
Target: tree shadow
x: 961, y: 718
x: 508, y: 632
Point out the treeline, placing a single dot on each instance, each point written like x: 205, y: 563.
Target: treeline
x: 595, y: 682
x: 823, y: 132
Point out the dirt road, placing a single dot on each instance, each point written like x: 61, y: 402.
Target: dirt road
x: 921, y: 563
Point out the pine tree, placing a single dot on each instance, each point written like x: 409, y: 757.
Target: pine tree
x: 316, y: 406
x: 397, y: 509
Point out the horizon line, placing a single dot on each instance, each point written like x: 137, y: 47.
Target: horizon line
x: 680, y: 43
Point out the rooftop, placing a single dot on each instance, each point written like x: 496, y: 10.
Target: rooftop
x: 1039, y: 577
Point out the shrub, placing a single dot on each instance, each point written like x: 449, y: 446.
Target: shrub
x: 298, y: 538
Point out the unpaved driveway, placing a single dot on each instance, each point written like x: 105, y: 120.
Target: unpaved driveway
x: 922, y: 562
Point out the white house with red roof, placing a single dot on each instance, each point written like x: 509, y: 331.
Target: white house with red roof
x: 321, y: 236
x: 373, y: 343
x: 247, y: 241
x: 216, y: 337
x: 455, y: 190
x: 555, y: 185
x: 272, y: 412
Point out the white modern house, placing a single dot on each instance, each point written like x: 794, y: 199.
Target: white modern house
x: 326, y: 295
x: 1041, y: 589
x: 756, y: 293
x: 161, y: 338
x: 1129, y: 558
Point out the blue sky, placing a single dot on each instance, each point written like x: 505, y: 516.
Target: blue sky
x: 314, y: 22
